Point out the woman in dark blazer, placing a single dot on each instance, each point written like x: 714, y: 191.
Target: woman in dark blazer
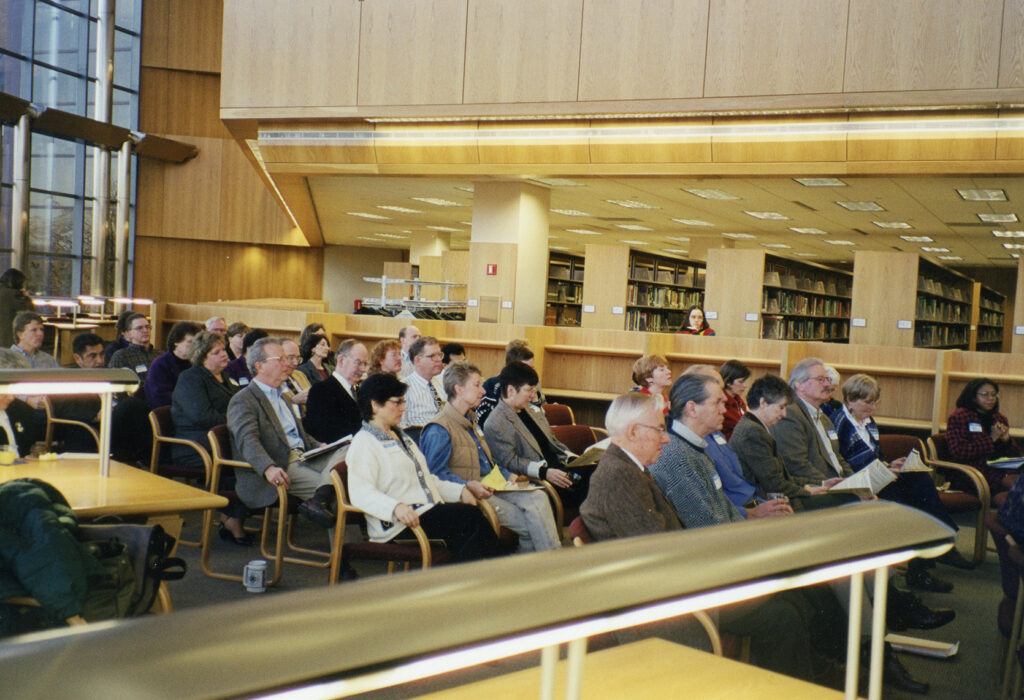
x: 200, y: 401
x: 314, y: 350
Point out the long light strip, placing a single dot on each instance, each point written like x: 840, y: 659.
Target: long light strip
x: 835, y: 128
x: 472, y: 656
x: 47, y: 388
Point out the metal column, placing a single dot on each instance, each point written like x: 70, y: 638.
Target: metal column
x: 101, y: 159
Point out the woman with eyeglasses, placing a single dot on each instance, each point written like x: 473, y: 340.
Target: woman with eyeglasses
x: 977, y: 432
x: 388, y: 478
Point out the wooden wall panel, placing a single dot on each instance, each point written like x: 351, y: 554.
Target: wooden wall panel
x: 180, y: 102
x: 758, y: 47
x: 502, y: 285
x: 883, y: 293
x: 412, y: 53
x: 734, y: 281
x: 185, y: 34
x: 657, y: 53
x: 455, y: 268
x: 188, y: 271
x: 604, y: 285
x: 1011, y: 53
x: 303, y: 53
x: 522, y: 50
x: 248, y: 210
x: 923, y: 45
x: 191, y: 194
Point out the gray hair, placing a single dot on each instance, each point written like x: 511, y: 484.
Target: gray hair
x: 833, y: 374
x: 801, y: 371
x: 706, y: 371
x: 213, y: 319
x: 258, y: 352
x: 345, y: 347
x: 456, y: 375
x: 690, y: 387
x: 626, y: 410
x: 12, y: 359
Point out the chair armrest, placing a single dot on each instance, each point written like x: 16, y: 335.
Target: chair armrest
x: 975, y: 476
x: 203, y: 454
x: 488, y: 511
x: 78, y: 424
x: 556, y: 501
x: 599, y: 433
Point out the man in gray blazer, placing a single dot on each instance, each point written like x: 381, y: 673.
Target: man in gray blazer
x: 267, y: 433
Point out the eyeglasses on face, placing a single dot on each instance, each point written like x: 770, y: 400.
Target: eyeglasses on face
x: 988, y: 394
x: 657, y: 428
x: 397, y: 400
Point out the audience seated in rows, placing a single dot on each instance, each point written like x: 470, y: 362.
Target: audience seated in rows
x: 139, y: 354
x: 238, y: 369
x: 163, y: 372
x: 516, y: 351
x: 235, y: 338
x: 735, y: 375
x: 122, y: 336
x: 216, y: 324
x: 407, y: 336
x: 314, y: 351
x: 386, y: 356
x: 651, y: 375
x: 331, y: 410
x: 451, y: 352
x: 426, y: 394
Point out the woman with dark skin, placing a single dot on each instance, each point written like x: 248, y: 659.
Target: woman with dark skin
x: 977, y: 432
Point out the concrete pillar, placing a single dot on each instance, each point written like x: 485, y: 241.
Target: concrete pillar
x: 508, y: 251
x: 428, y: 243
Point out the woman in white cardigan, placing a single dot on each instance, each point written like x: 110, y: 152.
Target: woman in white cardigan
x: 389, y: 480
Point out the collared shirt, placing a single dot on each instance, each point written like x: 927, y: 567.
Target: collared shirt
x: 284, y: 414
x: 422, y: 404
x: 815, y: 414
x: 862, y: 428
x: 691, y: 437
x: 345, y: 383
x: 39, y: 360
x: 633, y: 457
x: 407, y: 366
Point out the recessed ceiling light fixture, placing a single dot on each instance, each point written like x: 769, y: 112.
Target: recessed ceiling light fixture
x: 555, y: 182
x: 364, y: 215
x: 627, y: 242
x: 1014, y: 246
x: 807, y: 255
x: 809, y: 231
x: 892, y: 224
x: 739, y: 236
x: 928, y: 249
x: 558, y: 247
x: 675, y: 251
x: 998, y: 218
x: 680, y: 239
x: 1008, y: 234
x: 692, y: 222
x: 820, y: 181
x: 634, y: 227
x: 443, y: 228
x: 839, y: 242
x: 569, y: 212
x: 631, y: 204
x: 861, y: 206
x: 982, y: 195
x: 767, y: 215
x: 438, y: 202
x: 582, y: 231
x: 950, y: 257
x: 388, y: 235
x: 464, y: 188
x: 918, y: 239
x: 775, y: 245
x: 400, y: 210
x: 710, y: 194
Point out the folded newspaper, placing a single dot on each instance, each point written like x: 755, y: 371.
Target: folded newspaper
x: 914, y: 463
x: 317, y: 451
x: 867, y: 482
x: 592, y: 455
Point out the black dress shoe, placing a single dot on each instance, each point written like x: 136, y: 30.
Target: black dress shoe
x: 956, y: 559
x: 317, y: 513
x: 895, y: 675
x: 908, y: 612
x: 243, y: 541
x: 925, y: 580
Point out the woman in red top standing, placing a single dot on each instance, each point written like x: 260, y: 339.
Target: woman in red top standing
x: 977, y: 432
x: 735, y: 375
x: 696, y: 324
x: 652, y: 375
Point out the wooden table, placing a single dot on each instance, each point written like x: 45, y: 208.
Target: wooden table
x: 127, y: 491
x: 653, y: 668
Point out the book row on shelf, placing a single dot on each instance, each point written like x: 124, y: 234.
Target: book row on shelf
x: 780, y: 328
x: 562, y: 272
x: 663, y: 297
x: 990, y: 318
x: 685, y: 276
x: 562, y: 316
x: 571, y: 293
x: 637, y: 320
x: 990, y: 335
x: 931, y: 286
x: 781, y: 302
x: 930, y: 309
x: 991, y: 305
x: 939, y: 336
x: 806, y: 283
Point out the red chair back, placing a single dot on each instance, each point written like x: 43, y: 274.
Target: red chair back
x: 576, y: 437
x: 578, y: 528
x: 896, y: 446
x: 163, y: 424
x: 941, y: 447
x: 558, y: 414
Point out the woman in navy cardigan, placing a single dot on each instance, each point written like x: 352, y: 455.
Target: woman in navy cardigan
x: 859, y: 446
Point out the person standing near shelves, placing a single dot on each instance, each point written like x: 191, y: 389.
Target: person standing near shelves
x: 696, y: 323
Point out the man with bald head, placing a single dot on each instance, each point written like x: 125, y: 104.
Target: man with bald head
x: 331, y: 410
x: 407, y: 336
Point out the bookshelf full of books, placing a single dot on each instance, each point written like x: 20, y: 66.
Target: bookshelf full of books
x: 659, y: 291
x: 565, y: 290
x: 942, y: 319
x: 988, y: 319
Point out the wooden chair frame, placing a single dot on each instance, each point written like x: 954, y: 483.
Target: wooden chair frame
x: 154, y: 460
x: 980, y: 486
x: 51, y: 421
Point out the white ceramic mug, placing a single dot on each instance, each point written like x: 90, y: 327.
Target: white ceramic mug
x: 254, y: 576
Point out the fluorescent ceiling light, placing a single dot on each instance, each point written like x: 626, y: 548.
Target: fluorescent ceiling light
x: 569, y: 212
x: 555, y: 182
x: 631, y: 204
x: 680, y: 239
x: 982, y: 195
x: 675, y: 251
x: 918, y: 239
x: 1015, y: 256
x: 807, y: 255
x: 558, y: 247
x: 369, y: 238
x: 861, y: 206
x: 443, y: 228
x: 1014, y: 246
x: 692, y: 222
x: 928, y: 249
x: 739, y: 236
x: 839, y: 242
x: 767, y: 215
x: 364, y: 215
x: 1008, y: 234
x: 998, y: 218
x: 464, y: 189
x: 400, y: 210
x: 950, y: 257
x: 582, y: 231
x: 775, y: 245
x: 634, y: 227
x: 388, y: 235
x: 892, y: 224
x: 810, y: 231
x: 820, y: 181
x: 710, y: 194
x: 438, y: 202
x: 633, y: 242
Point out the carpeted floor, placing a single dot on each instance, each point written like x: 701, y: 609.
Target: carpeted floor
x: 970, y: 674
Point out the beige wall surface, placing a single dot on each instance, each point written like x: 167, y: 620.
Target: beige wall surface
x: 344, y: 270
x: 346, y: 58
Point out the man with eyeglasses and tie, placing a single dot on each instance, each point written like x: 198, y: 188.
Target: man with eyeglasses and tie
x: 425, y: 396
x: 331, y: 410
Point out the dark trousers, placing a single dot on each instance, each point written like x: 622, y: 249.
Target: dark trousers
x: 779, y: 629
x: 464, y: 530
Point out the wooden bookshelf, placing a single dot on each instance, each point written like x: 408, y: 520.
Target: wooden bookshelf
x: 904, y: 300
x: 988, y: 319
x: 564, y: 303
x: 659, y: 290
x: 753, y: 294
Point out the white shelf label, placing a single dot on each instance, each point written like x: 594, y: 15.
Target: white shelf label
x: 750, y: 317
x: 858, y: 322
x: 506, y: 304
x: 588, y: 308
x: 1018, y: 330
x: 711, y: 315
x: 472, y: 302
x: 617, y: 310
x: 904, y: 325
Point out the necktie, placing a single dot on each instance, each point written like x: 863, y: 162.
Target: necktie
x: 433, y: 392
